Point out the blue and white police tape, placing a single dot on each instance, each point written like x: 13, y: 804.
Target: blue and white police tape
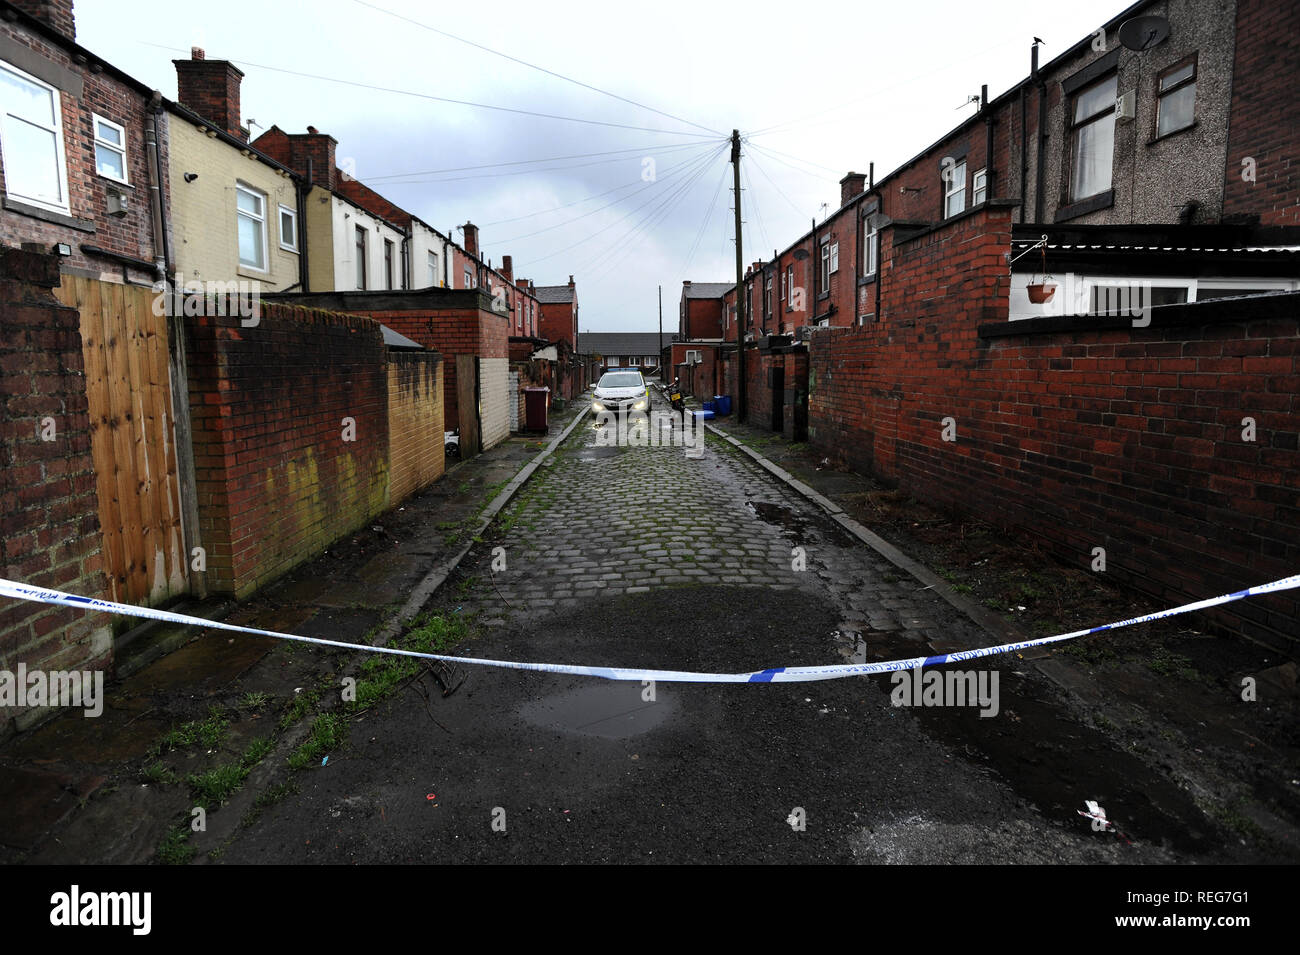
x: 10, y: 588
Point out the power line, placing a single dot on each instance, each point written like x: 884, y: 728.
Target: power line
x: 774, y: 185
x: 517, y: 172
x: 705, y: 160
x: 753, y: 202
x: 533, y: 66
x: 522, y: 162
x: 773, y: 153
x: 664, y: 175
x: 708, y: 215
x: 447, y: 99
x: 618, y: 252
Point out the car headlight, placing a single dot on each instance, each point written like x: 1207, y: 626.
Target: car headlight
x: 639, y: 406
x: 597, y: 406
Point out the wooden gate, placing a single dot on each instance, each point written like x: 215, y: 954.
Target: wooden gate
x: 128, y: 389
x: 467, y: 406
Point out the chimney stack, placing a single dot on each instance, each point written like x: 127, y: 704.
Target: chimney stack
x: 55, y: 14
x: 851, y: 185
x: 570, y: 281
x: 471, y: 238
x: 210, y: 88
x: 508, y: 269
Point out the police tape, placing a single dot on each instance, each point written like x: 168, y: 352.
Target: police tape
x: 10, y: 588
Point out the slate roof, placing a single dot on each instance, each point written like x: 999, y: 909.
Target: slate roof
x: 551, y: 294
x: 707, y: 289
x: 621, y: 343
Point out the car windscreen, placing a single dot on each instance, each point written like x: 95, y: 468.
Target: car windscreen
x: 620, y: 380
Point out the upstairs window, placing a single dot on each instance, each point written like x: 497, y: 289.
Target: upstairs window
x: 1092, y: 139
x: 979, y: 187
x: 361, y: 237
x: 954, y: 189
x: 288, y: 229
x: 388, y: 263
x: 870, y: 249
x: 250, y: 215
x: 433, y: 269
x: 469, y: 279
x: 1176, y: 98
x: 31, y: 140
x: 110, y: 149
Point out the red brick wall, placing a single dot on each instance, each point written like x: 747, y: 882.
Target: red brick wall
x: 114, y: 100
x: 49, y: 523
x: 558, y: 321
x: 1264, y: 123
x: 703, y: 318
x: 277, y: 481
x: 1127, y: 439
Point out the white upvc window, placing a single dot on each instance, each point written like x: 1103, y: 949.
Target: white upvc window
x: 651, y: 361
x: 433, y: 270
x: 979, y: 187
x: 870, y: 249
x: 830, y: 264
x: 288, y: 228
x: 469, y: 279
x: 110, y: 149
x: 31, y: 140
x: 1092, y: 139
x: 954, y: 192
x: 250, y: 215
x: 693, y: 356
x: 634, y: 361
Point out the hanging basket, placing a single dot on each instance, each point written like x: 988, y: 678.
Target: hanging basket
x: 1040, y: 292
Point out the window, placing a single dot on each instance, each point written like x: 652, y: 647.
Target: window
x: 361, y: 241
x: 870, y: 249
x: 31, y: 136
x: 954, y: 189
x: 651, y: 361
x: 388, y: 263
x: 250, y: 213
x: 634, y: 361
x: 783, y: 286
x: 830, y: 264
x: 1176, y: 98
x: 1092, y: 139
x: 789, y: 277
x: 693, y: 356
x: 979, y: 187
x: 433, y: 269
x: 767, y: 295
x: 519, y: 315
x: 288, y: 229
x: 469, y: 279
x: 110, y: 148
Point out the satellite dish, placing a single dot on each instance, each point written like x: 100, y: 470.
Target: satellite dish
x: 801, y: 254
x: 1142, y: 33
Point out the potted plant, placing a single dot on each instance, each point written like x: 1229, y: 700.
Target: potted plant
x: 1041, y: 292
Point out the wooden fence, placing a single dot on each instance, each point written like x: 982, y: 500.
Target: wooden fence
x: 132, y: 427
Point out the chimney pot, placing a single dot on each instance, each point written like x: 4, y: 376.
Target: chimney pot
x: 196, y: 53
x: 471, y: 238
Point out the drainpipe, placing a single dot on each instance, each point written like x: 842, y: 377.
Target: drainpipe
x: 880, y: 246
x: 304, y: 274
x: 988, y: 144
x: 1042, y: 135
x: 161, y: 253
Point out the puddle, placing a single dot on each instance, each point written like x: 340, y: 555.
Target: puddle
x: 795, y: 525
x: 597, y: 454
x: 611, y: 710
x: 1050, y: 758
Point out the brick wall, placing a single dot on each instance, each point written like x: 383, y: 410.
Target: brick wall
x: 1122, y: 438
x: 1264, y: 123
x: 49, y: 523
x: 278, y: 478
x: 415, y: 430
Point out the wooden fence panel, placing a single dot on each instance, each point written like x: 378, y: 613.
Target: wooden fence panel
x: 128, y: 388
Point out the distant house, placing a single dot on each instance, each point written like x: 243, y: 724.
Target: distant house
x: 559, y: 313
x: 639, y: 350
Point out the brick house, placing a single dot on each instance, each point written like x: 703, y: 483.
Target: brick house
x: 1164, y: 134
x: 94, y: 141
x: 639, y: 350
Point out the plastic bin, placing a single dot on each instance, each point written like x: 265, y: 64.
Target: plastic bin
x: 710, y: 406
x: 722, y: 404
x: 702, y: 415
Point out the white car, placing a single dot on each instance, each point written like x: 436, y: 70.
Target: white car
x: 621, y: 392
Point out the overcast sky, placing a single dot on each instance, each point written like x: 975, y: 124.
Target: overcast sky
x: 844, y: 84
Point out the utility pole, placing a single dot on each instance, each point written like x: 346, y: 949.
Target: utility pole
x: 660, y: 357
x: 740, y: 282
